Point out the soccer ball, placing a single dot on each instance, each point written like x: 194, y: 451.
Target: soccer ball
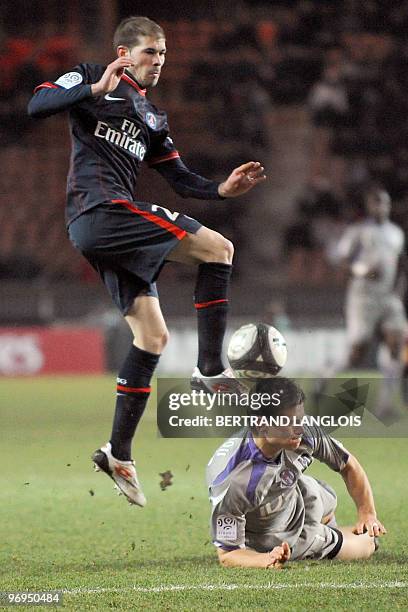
x: 257, y: 350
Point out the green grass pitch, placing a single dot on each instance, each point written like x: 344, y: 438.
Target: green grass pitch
x: 63, y: 527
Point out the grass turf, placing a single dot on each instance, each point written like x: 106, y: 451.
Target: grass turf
x: 62, y: 527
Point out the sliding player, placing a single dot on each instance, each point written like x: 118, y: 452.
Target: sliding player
x: 265, y: 510
x: 114, y: 129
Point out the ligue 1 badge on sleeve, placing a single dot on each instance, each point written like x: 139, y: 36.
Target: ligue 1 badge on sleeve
x: 151, y: 120
x: 226, y: 527
x: 69, y: 79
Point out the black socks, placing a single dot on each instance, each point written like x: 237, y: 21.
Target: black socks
x: 133, y: 390
x: 133, y: 382
x: 211, y: 303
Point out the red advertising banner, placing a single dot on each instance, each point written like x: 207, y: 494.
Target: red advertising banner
x: 32, y: 351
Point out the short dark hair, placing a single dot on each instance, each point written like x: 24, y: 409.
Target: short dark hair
x: 291, y: 395
x: 131, y: 29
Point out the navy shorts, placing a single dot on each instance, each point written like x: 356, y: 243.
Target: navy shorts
x: 127, y: 244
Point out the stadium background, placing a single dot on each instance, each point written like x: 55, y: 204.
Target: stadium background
x: 314, y: 89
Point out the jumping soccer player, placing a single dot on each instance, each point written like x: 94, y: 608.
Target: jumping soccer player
x: 114, y: 128
x: 265, y: 510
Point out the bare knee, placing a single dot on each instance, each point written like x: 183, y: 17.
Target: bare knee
x: 149, y: 338
x: 151, y: 342
x: 222, y: 251
x: 206, y: 246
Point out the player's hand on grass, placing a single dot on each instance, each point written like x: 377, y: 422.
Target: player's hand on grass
x: 278, y: 556
x: 368, y: 522
x: 111, y: 77
x: 242, y: 179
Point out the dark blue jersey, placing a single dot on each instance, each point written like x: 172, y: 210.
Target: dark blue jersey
x: 112, y: 135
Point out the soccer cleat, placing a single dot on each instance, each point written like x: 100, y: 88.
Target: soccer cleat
x: 123, y: 473
x: 221, y: 383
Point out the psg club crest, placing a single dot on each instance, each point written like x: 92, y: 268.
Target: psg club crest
x: 287, y: 477
x: 151, y: 120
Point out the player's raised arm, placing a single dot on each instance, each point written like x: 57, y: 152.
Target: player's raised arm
x: 360, y: 491
x: 74, y: 87
x: 191, y: 185
x: 184, y: 182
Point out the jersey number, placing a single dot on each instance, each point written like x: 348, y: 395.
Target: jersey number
x: 171, y: 215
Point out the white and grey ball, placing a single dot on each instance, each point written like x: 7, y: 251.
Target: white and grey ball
x: 257, y: 350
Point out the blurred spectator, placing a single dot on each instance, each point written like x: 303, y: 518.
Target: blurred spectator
x: 328, y: 98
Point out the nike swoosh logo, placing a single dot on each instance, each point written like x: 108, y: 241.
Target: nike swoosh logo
x: 108, y: 97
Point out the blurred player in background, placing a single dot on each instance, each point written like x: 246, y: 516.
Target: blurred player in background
x: 373, y: 250
x: 114, y: 128
x: 265, y: 510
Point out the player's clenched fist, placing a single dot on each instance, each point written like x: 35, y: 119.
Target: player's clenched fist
x: 111, y: 77
x: 242, y: 179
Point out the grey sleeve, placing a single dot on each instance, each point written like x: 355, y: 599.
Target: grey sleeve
x: 228, y: 519
x: 328, y: 450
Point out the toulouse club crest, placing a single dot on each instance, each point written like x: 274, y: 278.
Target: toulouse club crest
x: 151, y: 120
x: 287, y: 477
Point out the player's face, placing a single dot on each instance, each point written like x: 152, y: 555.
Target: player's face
x: 289, y: 436
x: 149, y: 56
x: 378, y: 205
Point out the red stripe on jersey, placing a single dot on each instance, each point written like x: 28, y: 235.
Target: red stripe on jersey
x: 206, y: 304
x: 133, y: 84
x: 133, y: 389
x: 163, y: 158
x: 170, y: 227
x: 46, y: 85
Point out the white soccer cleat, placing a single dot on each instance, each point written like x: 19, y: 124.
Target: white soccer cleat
x: 221, y: 383
x: 123, y: 473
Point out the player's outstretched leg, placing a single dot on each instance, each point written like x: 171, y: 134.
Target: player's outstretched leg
x: 213, y: 253
x: 133, y: 390
x: 211, y: 303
